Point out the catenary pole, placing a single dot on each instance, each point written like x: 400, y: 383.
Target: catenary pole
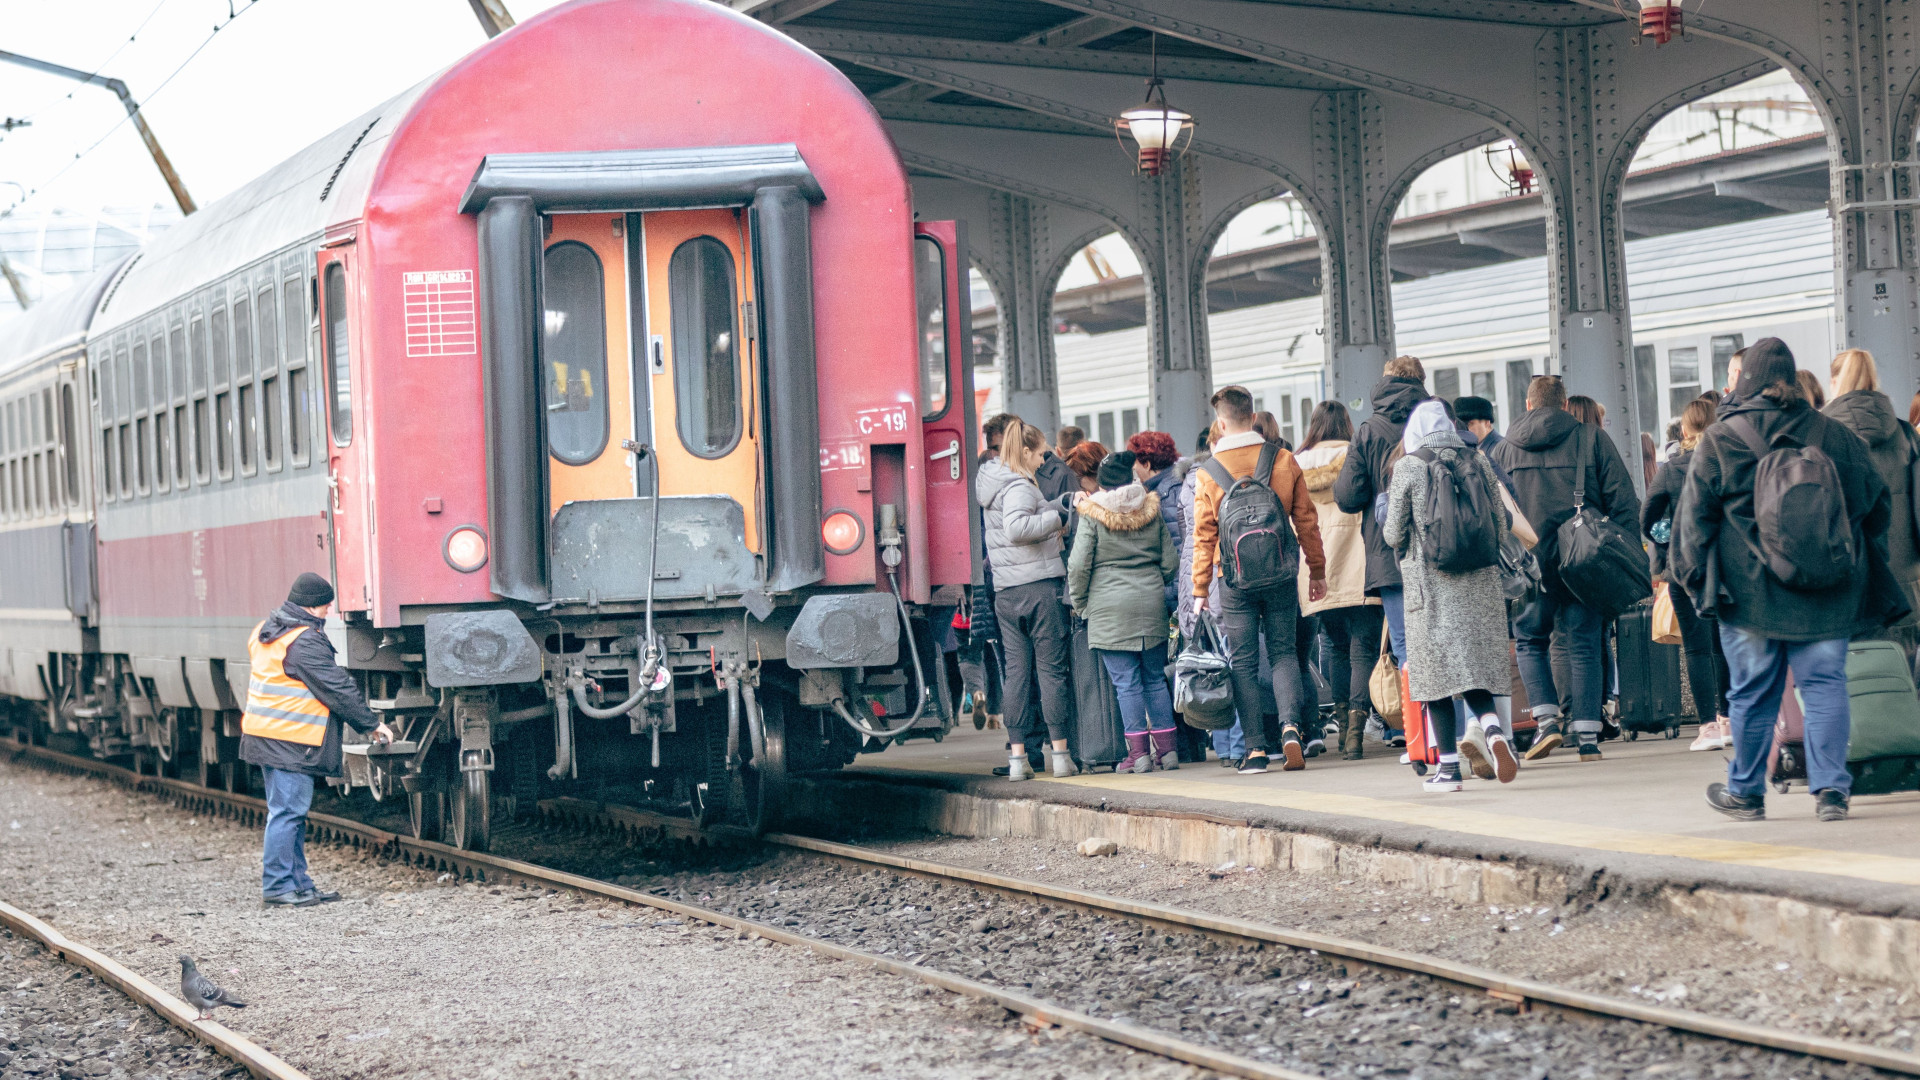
x: 119, y: 89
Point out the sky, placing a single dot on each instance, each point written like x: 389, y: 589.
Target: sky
x: 276, y: 76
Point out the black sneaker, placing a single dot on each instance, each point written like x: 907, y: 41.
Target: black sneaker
x: 290, y: 899
x: 1229, y: 762
x: 1254, y: 762
x: 1738, y: 807
x: 1589, y: 749
x: 1445, y: 778
x: 1830, y: 805
x: 1294, y: 757
x: 1545, y: 740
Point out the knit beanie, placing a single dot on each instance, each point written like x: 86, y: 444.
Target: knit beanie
x: 1116, y: 470
x: 1767, y: 361
x: 310, y: 590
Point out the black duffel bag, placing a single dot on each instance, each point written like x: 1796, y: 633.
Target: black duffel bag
x: 1202, y: 678
x: 1601, y: 564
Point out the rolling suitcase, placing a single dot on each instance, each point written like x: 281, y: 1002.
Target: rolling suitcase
x: 1649, y: 676
x: 1883, y: 744
x: 1423, y: 751
x: 1097, y: 732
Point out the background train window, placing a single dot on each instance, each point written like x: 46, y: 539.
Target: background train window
x: 1683, y: 378
x: 706, y: 373
x: 1519, y: 374
x: 339, y: 357
x: 1646, y: 389
x: 247, y: 419
x: 1129, y: 426
x: 293, y: 321
x: 930, y: 294
x: 69, y: 468
x: 202, y: 422
x: 1723, y: 350
x: 574, y: 345
x: 1482, y: 386
x: 1446, y: 384
x: 222, y: 395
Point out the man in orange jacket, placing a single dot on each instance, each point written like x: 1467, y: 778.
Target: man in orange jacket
x: 1270, y: 609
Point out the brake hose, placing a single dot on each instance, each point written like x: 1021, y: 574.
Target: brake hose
x: 919, y: 674
x: 651, y: 665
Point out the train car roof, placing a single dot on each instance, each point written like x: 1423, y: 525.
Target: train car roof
x: 55, y: 322
x: 323, y: 185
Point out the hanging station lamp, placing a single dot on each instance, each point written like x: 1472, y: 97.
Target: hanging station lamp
x: 1159, y: 131
x: 1510, y: 165
x: 1660, y: 20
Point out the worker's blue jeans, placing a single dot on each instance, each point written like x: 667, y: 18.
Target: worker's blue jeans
x: 283, y: 866
x: 1758, y: 668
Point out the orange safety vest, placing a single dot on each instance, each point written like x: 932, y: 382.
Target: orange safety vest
x: 280, y: 706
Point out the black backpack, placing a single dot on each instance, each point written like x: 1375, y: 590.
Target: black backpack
x: 1462, y: 533
x: 1257, y: 547
x: 1806, y: 541
x: 1603, y: 566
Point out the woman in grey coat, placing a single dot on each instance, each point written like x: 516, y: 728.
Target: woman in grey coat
x: 1123, y: 557
x: 1456, y: 623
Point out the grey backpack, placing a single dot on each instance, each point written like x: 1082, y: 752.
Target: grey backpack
x: 1806, y: 540
x: 1257, y: 547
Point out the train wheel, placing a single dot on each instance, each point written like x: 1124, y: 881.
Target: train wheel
x: 427, y: 815
x: 472, y: 811
x: 761, y: 786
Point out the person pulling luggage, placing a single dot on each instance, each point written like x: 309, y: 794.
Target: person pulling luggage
x: 1445, y: 519
x: 1781, y: 536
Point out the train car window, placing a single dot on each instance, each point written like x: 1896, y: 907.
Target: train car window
x: 142, y: 441
x: 298, y: 437
x: 339, y: 357
x: 706, y: 371
x: 242, y: 339
x: 265, y: 331
x: 140, y: 398
x: 293, y: 321
x: 197, y: 346
x: 52, y: 452
x: 930, y: 295
x: 270, y: 420
x: 128, y: 460
x: 177, y: 355
x: 106, y: 396
x: 200, y: 410
x: 223, y: 394
x: 217, y: 322
x: 69, y: 468
x: 575, y: 351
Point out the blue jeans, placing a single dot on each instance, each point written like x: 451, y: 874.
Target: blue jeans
x: 1584, y: 634
x: 1757, y: 667
x: 1230, y: 743
x: 283, y: 866
x: 1140, y: 682
x: 1394, y: 600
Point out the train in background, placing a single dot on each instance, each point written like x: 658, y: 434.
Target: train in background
x: 608, y: 377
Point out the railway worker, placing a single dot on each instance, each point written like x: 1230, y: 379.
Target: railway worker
x: 295, y: 700
x: 1720, y: 556
x: 1362, y: 485
x: 1540, y: 454
x: 1265, y: 600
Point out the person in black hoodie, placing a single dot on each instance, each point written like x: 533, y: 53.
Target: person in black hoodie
x: 1361, y: 488
x: 1767, y: 627
x: 1706, y: 665
x: 296, y: 700
x: 1540, y: 454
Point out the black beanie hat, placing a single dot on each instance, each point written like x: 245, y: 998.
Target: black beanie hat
x: 310, y: 590
x: 1470, y: 408
x: 1116, y: 470
x: 1767, y: 361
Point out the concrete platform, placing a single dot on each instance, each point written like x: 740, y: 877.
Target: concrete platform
x: 1638, y: 812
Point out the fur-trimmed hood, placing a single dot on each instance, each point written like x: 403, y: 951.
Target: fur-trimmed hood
x: 1320, y: 467
x: 1123, y: 509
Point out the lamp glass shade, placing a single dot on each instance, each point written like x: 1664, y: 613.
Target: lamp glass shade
x: 1155, y: 127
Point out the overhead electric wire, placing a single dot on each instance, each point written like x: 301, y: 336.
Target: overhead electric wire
x: 94, y: 74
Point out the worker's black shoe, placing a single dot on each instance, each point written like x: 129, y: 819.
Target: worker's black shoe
x: 322, y: 896
x: 291, y: 899
x: 1738, y: 807
x: 1831, y: 805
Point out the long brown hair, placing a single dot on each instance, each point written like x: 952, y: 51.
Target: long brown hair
x: 1697, y: 417
x: 1331, y: 422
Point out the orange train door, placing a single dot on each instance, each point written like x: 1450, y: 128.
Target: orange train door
x: 347, y: 473
x: 701, y: 358
x: 585, y: 358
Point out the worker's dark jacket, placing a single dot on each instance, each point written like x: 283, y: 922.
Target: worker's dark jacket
x: 1539, y: 453
x: 310, y: 659
x: 1663, y: 501
x: 1715, y: 538
x: 1369, y: 472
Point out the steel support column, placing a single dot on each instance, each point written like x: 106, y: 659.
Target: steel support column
x: 1350, y: 178
x: 1016, y: 264
x: 1170, y: 223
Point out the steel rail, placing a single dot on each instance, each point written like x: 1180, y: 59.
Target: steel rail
x: 257, y: 1060
x: 1508, y: 988
x: 496, y: 869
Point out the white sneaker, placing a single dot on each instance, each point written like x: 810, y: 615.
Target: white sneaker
x: 1708, y: 739
x: 1474, y: 751
x: 1505, y: 765
x: 1018, y: 769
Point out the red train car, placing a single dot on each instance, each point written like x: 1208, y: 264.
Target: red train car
x: 606, y: 374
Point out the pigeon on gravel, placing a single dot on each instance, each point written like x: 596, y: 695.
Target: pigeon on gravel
x: 200, y: 991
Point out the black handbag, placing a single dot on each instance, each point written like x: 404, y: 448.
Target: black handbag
x: 1519, y: 570
x: 1202, y: 680
x: 1603, y: 566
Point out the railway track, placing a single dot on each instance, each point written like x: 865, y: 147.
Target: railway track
x: 1511, y: 994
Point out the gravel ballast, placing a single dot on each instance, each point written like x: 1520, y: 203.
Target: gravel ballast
x: 418, y: 975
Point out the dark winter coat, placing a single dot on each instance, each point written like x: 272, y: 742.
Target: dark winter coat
x: 310, y: 659
x: 1539, y: 454
x: 1715, y: 540
x: 1165, y: 486
x: 1892, y: 445
x: 1368, y: 472
x: 1054, y: 478
x: 1663, y: 499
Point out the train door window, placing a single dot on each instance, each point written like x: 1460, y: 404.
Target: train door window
x: 339, y: 357
x: 1129, y: 423
x: 930, y: 295
x: 222, y: 394
x: 706, y: 369
x: 1683, y: 378
x: 1519, y: 374
x: 575, y: 351
x: 270, y: 380
x: 201, y: 412
x: 246, y: 408
x: 1646, y: 389
x: 1723, y: 350
x: 69, y: 468
x: 1106, y: 428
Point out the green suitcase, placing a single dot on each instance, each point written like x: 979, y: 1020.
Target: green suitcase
x: 1883, y: 745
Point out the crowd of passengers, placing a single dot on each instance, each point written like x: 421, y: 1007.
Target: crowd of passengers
x: 1125, y: 552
